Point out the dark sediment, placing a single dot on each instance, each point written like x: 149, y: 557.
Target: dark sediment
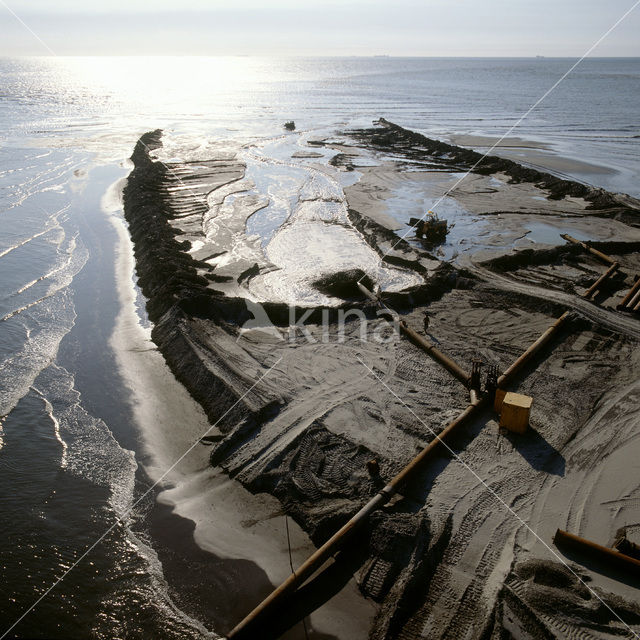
x: 343, y: 284
x: 175, y: 293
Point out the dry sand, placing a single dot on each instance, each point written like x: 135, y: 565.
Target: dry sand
x: 447, y: 559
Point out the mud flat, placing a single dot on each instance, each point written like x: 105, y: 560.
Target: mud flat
x: 266, y: 333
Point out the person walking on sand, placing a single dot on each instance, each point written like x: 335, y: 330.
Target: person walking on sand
x: 426, y: 323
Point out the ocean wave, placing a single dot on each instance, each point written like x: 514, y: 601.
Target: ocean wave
x: 44, y: 328
x: 50, y: 317
x: 52, y: 223
x: 61, y: 277
x: 53, y: 176
x: 91, y: 451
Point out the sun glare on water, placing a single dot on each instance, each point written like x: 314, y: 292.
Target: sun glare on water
x: 177, y: 83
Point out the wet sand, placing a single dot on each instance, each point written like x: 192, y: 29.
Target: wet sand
x: 446, y: 560
x: 532, y: 153
x: 239, y: 550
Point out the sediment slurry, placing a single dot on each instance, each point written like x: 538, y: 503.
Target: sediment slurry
x: 302, y: 415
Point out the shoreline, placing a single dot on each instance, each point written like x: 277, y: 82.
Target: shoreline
x: 243, y: 558
x: 196, y: 328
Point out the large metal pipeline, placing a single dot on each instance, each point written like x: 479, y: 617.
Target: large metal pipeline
x: 611, y: 556
x: 603, y: 256
x: 245, y: 630
x: 541, y: 342
x: 372, y: 296
x: 634, y: 289
x: 634, y: 300
x: 601, y: 280
x: 452, y: 367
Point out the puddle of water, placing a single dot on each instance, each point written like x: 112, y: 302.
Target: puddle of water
x: 468, y: 231
x: 287, y: 180
x: 544, y: 233
x: 305, y: 229
x: 281, y: 184
x: 411, y: 200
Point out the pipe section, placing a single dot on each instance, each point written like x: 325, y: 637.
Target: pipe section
x: 539, y: 344
x: 597, y: 551
x: 452, y: 367
x: 603, y: 256
x: 601, y: 280
x: 625, y: 301
x: 246, y: 628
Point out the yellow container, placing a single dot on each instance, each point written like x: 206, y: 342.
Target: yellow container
x: 515, y: 411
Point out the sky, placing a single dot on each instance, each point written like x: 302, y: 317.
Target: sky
x: 314, y: 27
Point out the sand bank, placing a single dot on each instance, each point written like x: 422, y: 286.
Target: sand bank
x: 446, y: 560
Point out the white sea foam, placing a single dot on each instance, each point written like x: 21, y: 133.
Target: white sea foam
x: 52, y: 223
x: 56, y: 427
x: 52, y: 177
x: 73, y: 257
x: 47, y: 323
x: 66, y: 258
x: 90, y: 451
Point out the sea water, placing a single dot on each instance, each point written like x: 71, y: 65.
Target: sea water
x: 81, y: 425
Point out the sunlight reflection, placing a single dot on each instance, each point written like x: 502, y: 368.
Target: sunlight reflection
x: 163, y: 83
